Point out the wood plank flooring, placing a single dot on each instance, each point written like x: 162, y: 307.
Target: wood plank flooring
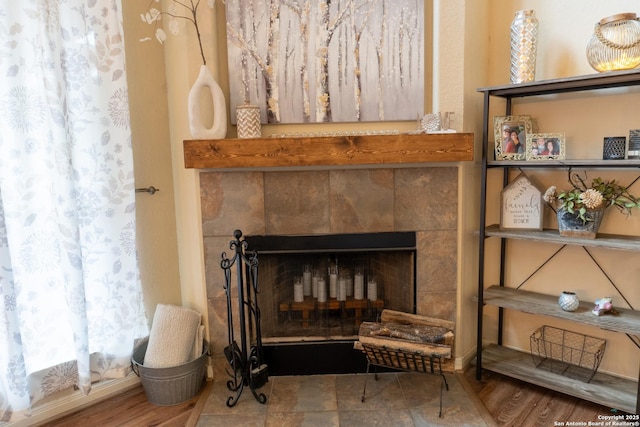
x: 509, y: 402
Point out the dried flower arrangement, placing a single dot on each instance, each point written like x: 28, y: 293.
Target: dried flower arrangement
x: 177, y: 10
x: 599, y: 195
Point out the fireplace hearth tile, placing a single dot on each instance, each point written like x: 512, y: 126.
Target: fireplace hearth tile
x: 232, y: 201
x: 366, y: 206
x: 436, y: 265
x: 383, y: 394
x: 213, y: 248
x: 393, y: 417
x: 441, y: 305
x: 303, y: 394
x: 296, y: 202
x: 426, y: 199
x: 310, y: 419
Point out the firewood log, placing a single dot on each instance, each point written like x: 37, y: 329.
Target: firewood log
x: 426, y: 349
x: 392, y: 316
x: 412, y: 333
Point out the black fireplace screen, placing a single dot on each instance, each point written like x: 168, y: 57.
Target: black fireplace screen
x: 323, y: 286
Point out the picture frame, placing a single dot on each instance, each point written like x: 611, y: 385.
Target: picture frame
x: 521, y: 205
x: 518, y: 127
x: 546, y: 146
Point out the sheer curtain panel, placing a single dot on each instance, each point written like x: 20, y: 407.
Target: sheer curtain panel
x: 69, y: 282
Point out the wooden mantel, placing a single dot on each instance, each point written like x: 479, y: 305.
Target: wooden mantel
x: 347, y: 150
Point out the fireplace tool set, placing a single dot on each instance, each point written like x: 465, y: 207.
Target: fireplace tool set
x: 245, y: 359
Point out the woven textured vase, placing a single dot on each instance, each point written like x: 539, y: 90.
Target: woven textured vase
x: 571, y: 225
x: 248, y: 120
x: 568, y: 301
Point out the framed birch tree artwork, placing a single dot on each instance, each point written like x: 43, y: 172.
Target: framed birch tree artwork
x: 315, y: 61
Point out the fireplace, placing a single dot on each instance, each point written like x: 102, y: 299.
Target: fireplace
x: 321, y: 287
x: 319, y: 203
x: 316, y: 290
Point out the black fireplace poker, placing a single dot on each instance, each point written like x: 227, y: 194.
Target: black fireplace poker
x: 246, y: 359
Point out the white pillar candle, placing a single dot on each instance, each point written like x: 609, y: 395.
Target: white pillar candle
x: 358, y: 286
x: 349, y: 285
x: 342, y: 289
x: 306, y: 280
x: 314, y: 285
x: 298, y: 294
x: 322, y: 290
x: 372, y: 290
x: 333, y: 285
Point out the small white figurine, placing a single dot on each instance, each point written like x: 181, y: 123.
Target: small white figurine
x: 603, y: 306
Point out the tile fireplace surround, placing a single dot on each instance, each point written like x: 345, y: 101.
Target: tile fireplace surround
x: 348, y: 198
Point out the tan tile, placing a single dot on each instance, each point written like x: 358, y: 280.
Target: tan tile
x: 214, y: 274
x: 361, y: 200
x: 231, y: 201
x: 422, y: 389
x: 437, y: 260
x: 244, y: 420
x: 296, y: 202
x: 391, y: 417
x: 216, y: 403
x: 303, y: 394
x: 426, y: 198
x: 383, y: 393
x: 441, y: 305
x: 217, y: 319
x: 303, y: 419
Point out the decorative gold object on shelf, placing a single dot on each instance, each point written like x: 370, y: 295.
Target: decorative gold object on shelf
x: 615, y: 43
x: 524, y: 42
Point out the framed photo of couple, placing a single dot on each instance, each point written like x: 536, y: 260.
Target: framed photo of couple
x: 545, y: 146
x: 510, y: 134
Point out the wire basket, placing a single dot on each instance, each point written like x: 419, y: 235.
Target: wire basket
x: 567, y: 353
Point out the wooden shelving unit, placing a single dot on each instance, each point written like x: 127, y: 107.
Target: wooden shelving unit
x: 627, y: 321
x: 610, y: 241
x: 603, y: 389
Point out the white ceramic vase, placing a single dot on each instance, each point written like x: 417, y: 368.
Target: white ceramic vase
x: 199, y: 130
x: 568, y: 301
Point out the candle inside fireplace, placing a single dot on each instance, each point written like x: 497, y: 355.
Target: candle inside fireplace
x: 298, y: 294
x: 314, y: 284
x: 342, y: 289
x: 333, y: 283
x: 306, y: 280
x: 358, y: 286
x: 322, y: 290
x: 372, y: 290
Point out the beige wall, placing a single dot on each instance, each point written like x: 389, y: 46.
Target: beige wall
x: 155, y: 214
x: 471, y: 50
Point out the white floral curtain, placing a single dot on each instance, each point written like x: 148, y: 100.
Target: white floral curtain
x: 69, y: 282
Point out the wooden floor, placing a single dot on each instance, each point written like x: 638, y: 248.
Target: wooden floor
x: 508, y: 401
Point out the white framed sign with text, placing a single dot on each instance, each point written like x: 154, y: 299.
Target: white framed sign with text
x: 522, y: 205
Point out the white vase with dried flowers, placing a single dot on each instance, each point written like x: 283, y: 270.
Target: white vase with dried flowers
x: 188, y: 10
x: 580, y: 210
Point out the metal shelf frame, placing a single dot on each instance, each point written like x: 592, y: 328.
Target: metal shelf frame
x: 508, y: 93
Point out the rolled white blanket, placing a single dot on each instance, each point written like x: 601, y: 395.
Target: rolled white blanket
x: 172, y: 337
